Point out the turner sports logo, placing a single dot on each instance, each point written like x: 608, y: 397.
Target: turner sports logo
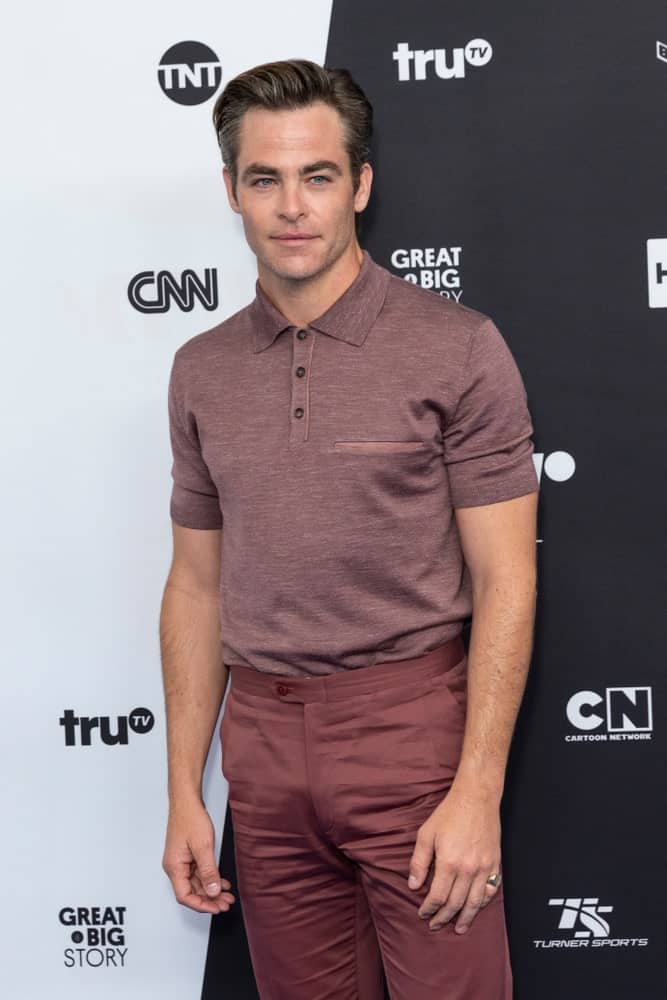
x: 165, y: 289
x: 656, y: 258
x: 436, y: 268
x: 189, y: 73
x: 98, y: 936
x: 419, y: 64
x: 139, y: 720
x: 621, y: 714
x: 582, y: 917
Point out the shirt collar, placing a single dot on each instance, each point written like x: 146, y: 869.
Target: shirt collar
x: 349, y: 318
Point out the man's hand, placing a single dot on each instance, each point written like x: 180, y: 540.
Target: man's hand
x: 464, y: 834
x: 189, y: 861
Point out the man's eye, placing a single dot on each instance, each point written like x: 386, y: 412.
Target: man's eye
x: 319, y: 177
x: 260, y: 181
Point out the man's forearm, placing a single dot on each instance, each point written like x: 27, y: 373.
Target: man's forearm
x: 194, y: 680
x: 498, y: 660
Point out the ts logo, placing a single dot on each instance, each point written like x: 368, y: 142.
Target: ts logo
x: 586, y: 912
x: 622, y: 710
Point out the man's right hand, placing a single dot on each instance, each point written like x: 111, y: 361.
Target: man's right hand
x: 189, y: 861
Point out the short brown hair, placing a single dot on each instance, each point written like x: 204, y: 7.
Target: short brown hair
x: 294, y: 83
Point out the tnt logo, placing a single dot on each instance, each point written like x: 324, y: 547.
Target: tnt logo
x: 661, y: 50
x: 583, y: 911
x: 656, y: 257
x: 189, y: 73
x: 183, y: 291
x: 624, y: 713
x: 139, y: 720
x: 476, y: 53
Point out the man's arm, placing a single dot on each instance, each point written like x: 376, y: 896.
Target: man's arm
x: 194, y: 679
x: 499, y: 546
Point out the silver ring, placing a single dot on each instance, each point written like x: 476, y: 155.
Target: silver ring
x: 494, y: 879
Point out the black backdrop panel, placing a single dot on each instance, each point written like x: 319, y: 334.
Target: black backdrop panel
x: 543, y: 165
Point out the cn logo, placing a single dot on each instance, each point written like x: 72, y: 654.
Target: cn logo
x: 661, y: 51
x: 139, y: 720
x: 558, y: 465
x: 584, y: 912
x: 189, y: 73
x: 167, y: 289
x: 413, y: 63
x: 656, y: 257
x: 623, y: 710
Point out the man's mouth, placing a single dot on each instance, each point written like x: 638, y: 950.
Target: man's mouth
x: 294, y: 237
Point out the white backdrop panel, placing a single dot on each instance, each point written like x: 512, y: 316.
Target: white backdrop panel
x: 104, y: 177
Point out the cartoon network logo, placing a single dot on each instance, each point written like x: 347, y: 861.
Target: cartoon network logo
x: 661, y: 51
x: 584, y: 926
x: 621, y: 714
x: 656, y: 258
x: 154, y: 291
x: 415, y: 64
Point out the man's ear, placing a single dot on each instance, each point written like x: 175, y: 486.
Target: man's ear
x: 363, y: 192
x: 227, y: 178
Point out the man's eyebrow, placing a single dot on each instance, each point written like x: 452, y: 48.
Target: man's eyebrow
x: 259, y: 168
x: 313, y: 168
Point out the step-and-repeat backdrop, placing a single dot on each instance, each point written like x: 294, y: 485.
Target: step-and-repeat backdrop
x: 519, y: 169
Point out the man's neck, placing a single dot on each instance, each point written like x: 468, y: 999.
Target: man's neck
x: 300, y: 302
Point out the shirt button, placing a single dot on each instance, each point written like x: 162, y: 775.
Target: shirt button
x: 298, y: 412
x: 282, y: 689
x: 302, y: 334
x: 301, y: 371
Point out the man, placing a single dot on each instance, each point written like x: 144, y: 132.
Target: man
x: 353, y: 477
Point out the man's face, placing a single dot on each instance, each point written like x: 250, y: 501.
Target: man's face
x: 294, y: 189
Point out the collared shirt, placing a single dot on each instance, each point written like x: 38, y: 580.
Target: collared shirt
x: 333, y: 457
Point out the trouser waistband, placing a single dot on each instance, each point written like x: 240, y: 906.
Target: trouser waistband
x: 347, y: 683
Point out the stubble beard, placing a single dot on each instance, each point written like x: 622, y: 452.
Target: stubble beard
x: 332, y: 254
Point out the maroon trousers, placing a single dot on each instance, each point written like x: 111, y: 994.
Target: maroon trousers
x: 329, y: 780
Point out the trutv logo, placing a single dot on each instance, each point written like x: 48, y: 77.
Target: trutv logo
x: 79, y: 729
x: 419, y: 64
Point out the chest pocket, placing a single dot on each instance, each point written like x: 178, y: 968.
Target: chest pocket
x: 379, y: 447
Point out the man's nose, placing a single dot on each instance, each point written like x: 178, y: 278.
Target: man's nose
x: 291, y: 203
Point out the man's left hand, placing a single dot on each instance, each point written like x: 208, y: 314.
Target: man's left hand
x: 463, y: 833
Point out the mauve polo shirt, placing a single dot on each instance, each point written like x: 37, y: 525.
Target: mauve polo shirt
x: 333, y: 457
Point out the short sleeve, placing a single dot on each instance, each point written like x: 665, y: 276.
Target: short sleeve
x: 194, y: 497
x: 488, y: 448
